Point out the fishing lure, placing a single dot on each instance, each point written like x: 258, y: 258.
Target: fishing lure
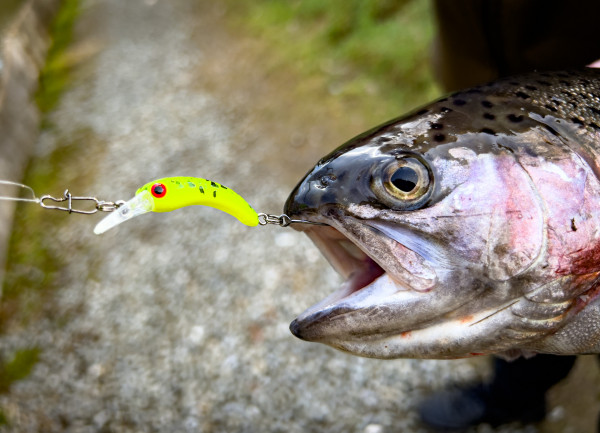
x: 161, y: 195
x: 170, y: 193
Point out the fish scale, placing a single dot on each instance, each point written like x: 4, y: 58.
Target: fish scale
x: 502, y: 107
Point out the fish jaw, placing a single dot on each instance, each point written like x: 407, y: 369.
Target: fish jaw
x: 377, y: 309
x: 377, y: 313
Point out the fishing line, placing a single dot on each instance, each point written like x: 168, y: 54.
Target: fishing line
x: 33, y: 198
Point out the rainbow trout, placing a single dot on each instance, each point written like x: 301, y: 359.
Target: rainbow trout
x: 469, y: 227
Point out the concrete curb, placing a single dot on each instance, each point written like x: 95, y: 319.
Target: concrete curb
x: 22, y: 55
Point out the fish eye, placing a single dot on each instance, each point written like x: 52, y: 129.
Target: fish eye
x: 403, y: 184
x: 158, y: 190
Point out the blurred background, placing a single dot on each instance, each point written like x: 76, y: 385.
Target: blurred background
x: 179, y: 322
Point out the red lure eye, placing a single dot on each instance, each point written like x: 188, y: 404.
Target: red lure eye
x: 158, y: 190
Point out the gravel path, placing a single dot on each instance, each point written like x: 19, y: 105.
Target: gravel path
x: 179, y: 322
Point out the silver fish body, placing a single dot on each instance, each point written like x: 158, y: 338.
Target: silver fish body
x: 469, y: 227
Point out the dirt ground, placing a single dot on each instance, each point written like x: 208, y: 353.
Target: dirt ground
x: 179, y: 322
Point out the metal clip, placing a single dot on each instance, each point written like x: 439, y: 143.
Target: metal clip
x: 282, y: 220
x: 99, y: 205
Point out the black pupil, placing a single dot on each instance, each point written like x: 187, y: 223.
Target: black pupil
x: 405, y: 179
x: 158, y: 190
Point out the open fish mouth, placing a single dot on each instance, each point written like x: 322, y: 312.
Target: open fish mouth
x: 389, y: 305
x: 357, y: 268
x: 375, y: 279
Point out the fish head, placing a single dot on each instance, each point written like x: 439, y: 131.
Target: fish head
x: 440, y: 228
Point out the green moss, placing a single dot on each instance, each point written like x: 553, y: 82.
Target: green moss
x: 55, y: 75
x: 14, y: 369
x: 374, y: 52
x: 17, y: 368
x: 32, y: 265
x: 34, y: 262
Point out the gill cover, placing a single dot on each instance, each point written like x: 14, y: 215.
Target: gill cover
x: 170, y: 193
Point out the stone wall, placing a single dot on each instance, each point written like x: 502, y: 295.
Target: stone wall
x: 22, y: 55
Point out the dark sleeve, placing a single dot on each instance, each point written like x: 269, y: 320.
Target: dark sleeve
x: 481, y: 40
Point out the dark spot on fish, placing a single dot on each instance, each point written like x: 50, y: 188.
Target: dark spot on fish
x: 439, y: 137
x: 501, y: 250
x: 459, y: 102
x: 583, y: 95
x: 531, y: 87
x: 487, y: 104
x: 213, y: 184
x: 215, y: 194
x: 544, y: 83
x: 488, y: 131
x: 552, y: 130
x: 201, y: 189
x: 489, y: 116
x: 515, y: 118
x: 577, y: 120
x: 573, y: 226
x: 502, y: 146
x: 421, y: 112
x: 326, y: 180
x: 435, y: 125
x: 556, y: 101
x: 384, y: 139
x: 445, y: 109
x: 551, y: 108
x: 522, y: 95
x: 594, y: 109
x: 224, y: 187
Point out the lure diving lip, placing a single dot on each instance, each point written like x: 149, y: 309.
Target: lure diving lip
x: 170, y: 193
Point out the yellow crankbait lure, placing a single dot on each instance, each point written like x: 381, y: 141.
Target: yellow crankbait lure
x: 170, y: 193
